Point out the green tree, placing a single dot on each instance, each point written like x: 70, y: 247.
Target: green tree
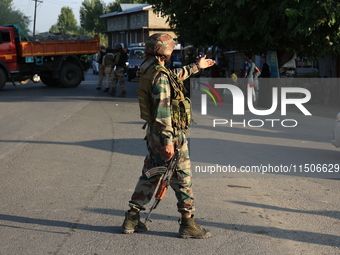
x: 257, y: 25
x: 66, y: 21
x: 54, y: 29
x: 113, y: 6
x: 7, y: 3
x: 9, y: 15
x: 90, y: 13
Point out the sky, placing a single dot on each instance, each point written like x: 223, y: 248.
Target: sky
x: 47, y: 11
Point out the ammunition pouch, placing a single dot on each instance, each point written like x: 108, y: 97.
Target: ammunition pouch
x: 181, y: 114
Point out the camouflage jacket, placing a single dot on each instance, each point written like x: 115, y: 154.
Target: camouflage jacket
x: 162, y: 130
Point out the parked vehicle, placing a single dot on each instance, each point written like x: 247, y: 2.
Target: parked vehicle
x: 336, y: 131
x: 136, y: 57
x: 55, y: 62
x: 95, y: 64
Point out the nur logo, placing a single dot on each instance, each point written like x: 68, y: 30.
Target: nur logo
x: 239, y: 99
x: 204, y: 97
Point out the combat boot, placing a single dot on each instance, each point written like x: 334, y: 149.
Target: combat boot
x: 123, y: 93
x: 190, y: 229
x: 132, y: 223
x: 113, y: 92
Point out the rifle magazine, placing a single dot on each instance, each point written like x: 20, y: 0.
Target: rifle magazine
x: 159, y: 170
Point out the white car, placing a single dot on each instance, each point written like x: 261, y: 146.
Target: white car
x: 95, y: 65
x: 136, y: 58
x: 336, y: 132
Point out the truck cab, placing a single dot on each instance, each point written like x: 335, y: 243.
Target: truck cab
x: 8, y: 49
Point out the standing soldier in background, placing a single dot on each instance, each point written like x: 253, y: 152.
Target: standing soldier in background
x: 108, y: 63
x: 99, y: 60
x: 118, y: 73
x: 160, y: 95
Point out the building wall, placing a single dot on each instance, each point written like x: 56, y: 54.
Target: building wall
x: 135, y: 27
x: 119, y: 22
x: 156, y: 21
x: 138, y: 20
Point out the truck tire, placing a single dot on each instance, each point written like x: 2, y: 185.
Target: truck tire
x: 48, y: 81
x: 3, y: 79
x: 70, y: 75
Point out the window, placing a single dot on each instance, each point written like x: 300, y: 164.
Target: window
x: 137, y: 54
x: 5, y: 36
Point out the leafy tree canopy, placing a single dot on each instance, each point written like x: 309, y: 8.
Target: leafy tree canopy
x: 66, y: 20
x: 257, y: 25
x: 90, y: 13
x: 9, y: 15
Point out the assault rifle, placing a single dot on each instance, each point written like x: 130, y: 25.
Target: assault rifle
x: 164, y: 181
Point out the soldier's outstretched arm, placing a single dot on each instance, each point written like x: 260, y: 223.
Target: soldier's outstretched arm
x: 186, y: 71
x: 205, y: 62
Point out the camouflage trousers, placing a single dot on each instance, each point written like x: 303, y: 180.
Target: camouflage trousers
x: 108, y: 73
x: 101, y: 74
x: 181, y: 183
x: 118, y: 76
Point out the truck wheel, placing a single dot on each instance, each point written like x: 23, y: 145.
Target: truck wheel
x: 3, y: 79
x: 48, y: 81
x: 70, y: 75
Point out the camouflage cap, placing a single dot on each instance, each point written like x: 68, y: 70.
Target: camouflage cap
x: 159, y: 44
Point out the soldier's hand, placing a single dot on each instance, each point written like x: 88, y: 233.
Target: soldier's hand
x: 168, y: 152
x: 205, y: 63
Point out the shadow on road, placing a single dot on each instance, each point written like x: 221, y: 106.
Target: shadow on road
x: 330, y: 214
x: 224, y: 152
x: 274, y: 232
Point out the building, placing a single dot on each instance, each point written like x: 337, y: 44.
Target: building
x: 133, y: 23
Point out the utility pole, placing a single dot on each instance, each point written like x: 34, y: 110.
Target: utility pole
x: 35, y: 15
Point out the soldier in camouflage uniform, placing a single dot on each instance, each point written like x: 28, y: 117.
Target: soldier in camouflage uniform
x: 108, y: 61
x: 162, y: 137
x: 118, y: 73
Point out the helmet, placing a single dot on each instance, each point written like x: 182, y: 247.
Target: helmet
x: 159, y: 44
x: 102, y: 46
x: 118, y: 46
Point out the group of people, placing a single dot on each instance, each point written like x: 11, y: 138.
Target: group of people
x: 112, y: 65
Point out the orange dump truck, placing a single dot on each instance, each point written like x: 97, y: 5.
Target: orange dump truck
x: 58, y: 63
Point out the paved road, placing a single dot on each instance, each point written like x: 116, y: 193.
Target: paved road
x: 69, y: 160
